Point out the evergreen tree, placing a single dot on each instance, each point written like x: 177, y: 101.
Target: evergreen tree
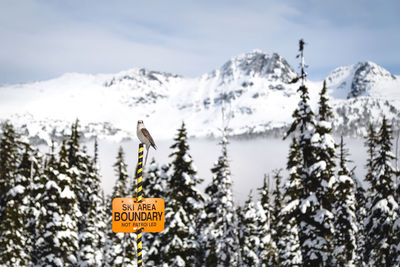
x: 325, y: 152
x: 382, y: 206
x: 303, y: 123
x: 180, y: 236
x: 90, y: 200
x: 49, y: 220
x: 70, y: 207
x: 361, y: 202
x: 92, y: 224
x: 324, y: 110
x: 240, y: 234
x: 14, y: 203
x: 154, y: 186
x: 121, y: 188
x: 345, y: 214
x: 96, y: 152
x: 371, y: 143
x: 289, y: 253
x: 118, y: 243
x: 277, y: 227
x: 277, y: 195
x: 323, y: 177
x: 73, y: 145
x: 13, y: 240
x: 58, y: 219
x: 30, y: 171
x: 8, y: 163
x: 100, y: 210
x: 250, y: 234
x: 220, y: 241
x: 363, y: 195
x: 267, y: 249
x: 315, y: 143
x: 395, y: 244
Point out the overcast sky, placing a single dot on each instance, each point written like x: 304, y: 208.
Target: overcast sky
x: 44, y: 39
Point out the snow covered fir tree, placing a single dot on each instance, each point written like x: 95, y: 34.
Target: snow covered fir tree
x: 154, y: 185
x: 382, y: 207
x: 315, y: 219
x: 346, y: 228
x: 220, y: 239
x: 120, y: 247
x: 15, y: 198
x: 180, y: 238
x: 314, y: 210
x: 289, y: 253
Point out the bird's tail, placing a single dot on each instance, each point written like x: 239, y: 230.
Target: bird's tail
x: 145, y: 160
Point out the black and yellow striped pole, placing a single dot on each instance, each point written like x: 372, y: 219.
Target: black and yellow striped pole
x: 139, y: 199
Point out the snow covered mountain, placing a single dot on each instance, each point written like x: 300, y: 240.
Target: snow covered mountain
x: 254, y: 88
x: 361, y: 79
x: 362, y: 94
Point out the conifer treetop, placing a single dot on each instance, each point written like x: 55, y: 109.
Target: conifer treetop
x: 121, y: 188
x: 325, y: 111
x: 303, y: 115
x: 343, y: 159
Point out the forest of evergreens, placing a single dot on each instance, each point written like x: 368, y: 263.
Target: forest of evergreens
x: 53, y: 211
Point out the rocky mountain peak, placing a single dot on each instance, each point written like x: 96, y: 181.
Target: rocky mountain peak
x: 358, y: 79
x: 139, y: 75
x: 257, y: 63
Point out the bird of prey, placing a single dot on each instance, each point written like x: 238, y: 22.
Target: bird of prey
x: 145, y: 138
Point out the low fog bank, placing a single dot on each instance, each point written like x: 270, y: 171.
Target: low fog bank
x: 250, y: 159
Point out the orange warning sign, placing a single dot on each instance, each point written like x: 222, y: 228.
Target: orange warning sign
x: 128, y: 215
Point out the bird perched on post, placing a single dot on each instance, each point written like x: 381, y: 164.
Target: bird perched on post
x: 145, y: 137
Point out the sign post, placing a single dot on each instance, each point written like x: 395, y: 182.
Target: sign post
x: 140, y: 196
x: 138, y: 214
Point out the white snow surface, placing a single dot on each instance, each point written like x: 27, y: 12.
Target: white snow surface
x: 51, y: 184
x: 368, y: 77
x: 255, y: 86
x: 67, y: 193
x: 291, y: 206
x: 311, y: 200
x: 345, y: 179
x: 17, y: 190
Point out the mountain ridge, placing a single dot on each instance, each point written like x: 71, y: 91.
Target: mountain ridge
x: 254, y: 86
x: 358, y: 78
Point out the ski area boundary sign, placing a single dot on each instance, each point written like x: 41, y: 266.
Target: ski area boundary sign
x: 129, y: 216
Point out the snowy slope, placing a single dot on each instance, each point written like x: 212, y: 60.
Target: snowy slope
x: 362, y: 94
x: 254, y: 86
x: 363, y: 79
